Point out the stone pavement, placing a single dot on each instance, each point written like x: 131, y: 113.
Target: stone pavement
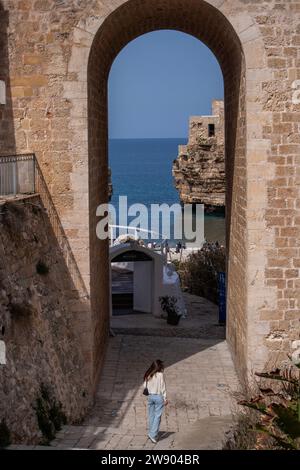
x: 201, y: 322
x: 200, y: 380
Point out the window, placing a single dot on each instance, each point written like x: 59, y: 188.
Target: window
x: 211, y: 130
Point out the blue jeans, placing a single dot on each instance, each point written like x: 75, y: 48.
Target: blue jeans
x: 155, y: 409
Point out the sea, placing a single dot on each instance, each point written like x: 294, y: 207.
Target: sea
x: 142, y: 170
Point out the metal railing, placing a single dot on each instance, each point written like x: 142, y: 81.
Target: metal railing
x: 138, y: 233
x: 18, y: 179
x: 17, y: 174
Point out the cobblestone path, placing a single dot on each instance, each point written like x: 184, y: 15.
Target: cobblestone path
x: 200, y: 380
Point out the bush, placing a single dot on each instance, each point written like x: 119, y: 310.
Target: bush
x: 4, y: 435
x: 199, y: 273
x: 49, y: 414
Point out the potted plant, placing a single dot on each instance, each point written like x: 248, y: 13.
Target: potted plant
x: 168, y: 305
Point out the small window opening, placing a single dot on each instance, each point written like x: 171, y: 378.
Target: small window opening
x: 211, y: 130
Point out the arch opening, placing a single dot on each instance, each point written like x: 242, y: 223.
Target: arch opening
x: 142, y: 271
x: 207, y: 24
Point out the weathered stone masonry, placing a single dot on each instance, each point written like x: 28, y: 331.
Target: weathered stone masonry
x: 199, y: 169
x: 56, y: 59
x: 43, y: 343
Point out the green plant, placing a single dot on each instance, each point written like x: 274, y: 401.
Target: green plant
x: 42, y: 268
x: 57, y: 416
x: 49, y: 414
x: 168, y: 305
x: 5, y: 440
x: 278, y: 410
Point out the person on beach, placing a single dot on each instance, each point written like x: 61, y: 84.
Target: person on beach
x: 154, y: 384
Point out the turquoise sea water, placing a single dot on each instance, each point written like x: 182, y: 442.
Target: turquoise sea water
x: 142, y: 170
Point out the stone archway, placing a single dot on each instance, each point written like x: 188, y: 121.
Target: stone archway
x: 234, y: 39
x: 207, y: 24
x: 71, y: 47
x: 59, y: 58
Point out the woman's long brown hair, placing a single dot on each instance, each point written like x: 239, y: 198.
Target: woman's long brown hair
x: 156, y: 366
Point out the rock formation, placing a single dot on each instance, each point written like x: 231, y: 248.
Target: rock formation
x: 199, y: 170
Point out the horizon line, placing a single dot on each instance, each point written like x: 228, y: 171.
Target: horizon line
x: 143, y: 138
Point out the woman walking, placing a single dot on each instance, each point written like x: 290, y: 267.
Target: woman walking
x: 155, y: 388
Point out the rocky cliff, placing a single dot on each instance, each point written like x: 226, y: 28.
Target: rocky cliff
x: 199, y: 170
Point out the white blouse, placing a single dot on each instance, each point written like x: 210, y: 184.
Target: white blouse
x: 156, y: 385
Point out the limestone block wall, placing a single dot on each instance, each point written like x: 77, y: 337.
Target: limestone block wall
x: 55, y: 60
x: 37, y: 322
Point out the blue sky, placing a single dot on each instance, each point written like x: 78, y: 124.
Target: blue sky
x: 159, y: 80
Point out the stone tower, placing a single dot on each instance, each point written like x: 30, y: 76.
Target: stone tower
x: 199, y: 170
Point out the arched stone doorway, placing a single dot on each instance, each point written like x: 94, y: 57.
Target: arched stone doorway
x: 56, y: 84
x: 59, y: 61
x: 233, y: 37
x: 147, y: 282
x: 210, y: 26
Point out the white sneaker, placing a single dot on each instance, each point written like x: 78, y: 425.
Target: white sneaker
x: 152, y: 439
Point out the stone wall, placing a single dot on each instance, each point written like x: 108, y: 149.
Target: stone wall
x: 199, y: 170
x: 37, y: 322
